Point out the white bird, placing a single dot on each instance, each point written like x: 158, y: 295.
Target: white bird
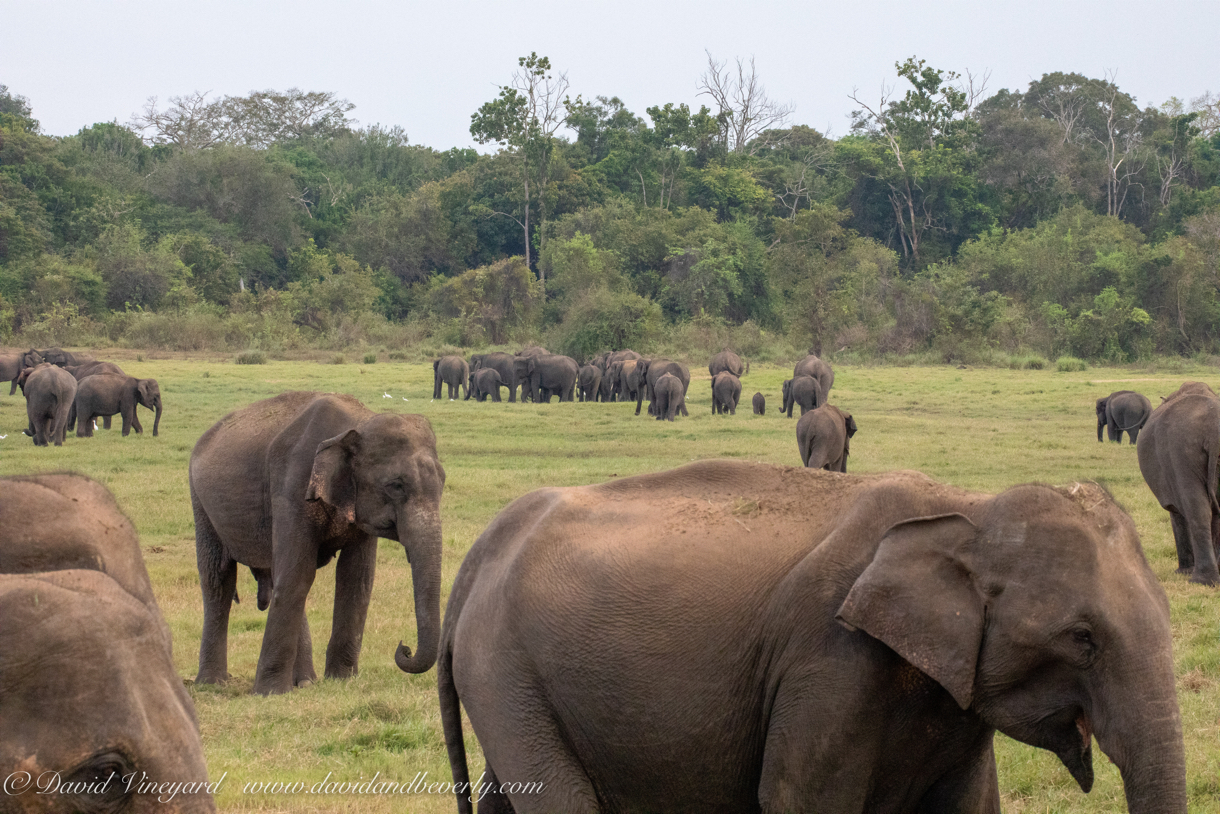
x: 4, y: 436
x: 404, y: 398
x: 387, y: 396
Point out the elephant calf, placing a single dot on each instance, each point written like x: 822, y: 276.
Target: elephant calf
x: 667, y: 396
x: 1123, y: 411
x: 823, y: 437
x: 485, y: 382
x: 104, y: 394
x: 760, y: 404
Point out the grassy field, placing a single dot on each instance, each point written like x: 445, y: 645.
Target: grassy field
x: 977, y: 428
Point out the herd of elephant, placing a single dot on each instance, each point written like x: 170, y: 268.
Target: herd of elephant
x: 64, y: 392
x: 625, y: 646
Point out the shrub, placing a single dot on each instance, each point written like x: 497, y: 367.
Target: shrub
x: 252, y: 357
x: 370, y: 358
x: 397, y: 356
x: 337, y: 359
x: 1070, y: 364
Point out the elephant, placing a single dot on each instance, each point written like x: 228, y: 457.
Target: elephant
x: 726, y: 392
x: 75, y: 583
x: 53, y: 356
x: 1179, y: 457
x: 104, y: 394
x: 503, y: 363
x: 885, y: 628
x: 284, y: 485
x: 49, y: 394
x: 10, y: 369
x: 760, y: 404
x: 649, y: 370
x: 453, y: 371
x: 630, y: 380
x: 605, y: 391
x: 823, y: 437
x: 554, y: 374
x: 589, y: 378
x: 533, y: 350
x: 726, y: 360
x: 625, y: 355
x: 85, y: 369
x: 818, y: 369
x: 805, y: 391
x: 1123, y: 411
x: 485, y: 382
x: 667, y: 397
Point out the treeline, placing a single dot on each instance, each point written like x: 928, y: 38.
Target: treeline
x: 1059, y: 219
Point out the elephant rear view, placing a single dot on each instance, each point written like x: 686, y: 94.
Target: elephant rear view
x: 284, y: 485
x: 823, y: 437
x: 49, y: 395
x: 452, y: 371
x: 1123, y: 411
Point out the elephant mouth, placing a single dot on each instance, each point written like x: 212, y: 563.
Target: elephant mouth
x: 1075, y: 749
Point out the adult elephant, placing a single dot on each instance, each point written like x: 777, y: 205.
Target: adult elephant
x: 105, y: 394
x: 1179, y: 456
x: 452, y: 371
x: 49, y: 394
x: 1123, y: 411
x: 668, y: 393
x: 284, y: 485
x: 551, y: 375
x: 886, y: 627
x: 605, y: 391
x: 71, y: 583
x: 648, y: 371
x: 504, y: 364
x: 10, y: 369
x: 54, y: 356
x: 484, y: 382
x: 728, y: 361
x: 533, y: 350
x: 823, y: 437
x: 589, y: 381
x: 804, y: 391
x: 625, y: 355
x: 726, y: 392
x: 86, y: 369
x: 818, y: 369
x: 630, y: 380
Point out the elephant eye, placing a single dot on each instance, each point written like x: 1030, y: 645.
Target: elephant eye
x: 1082, y: 637
x: 396, y: 487
x: 99, y: 784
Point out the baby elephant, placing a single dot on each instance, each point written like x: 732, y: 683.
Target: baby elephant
x: 104, y: 394
x: 1123, y: 411
x: 484, y: 382
x: 668, y: 391
x: 760, y: 404
x: 726, y: 392
x: 823, y: 436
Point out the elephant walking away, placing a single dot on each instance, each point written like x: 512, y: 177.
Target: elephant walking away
x: 760, y: 404
x: 728, y: 361
x: 667, y: 397
x: 726, y: 392
x: 105, y: 394
x: 818, y: 369
x: 823, y: 437
x: 648, y: 371
x: 485, y: 382
x: 1123, y: 411
x: 843, y: 643
x: 49, y: 394
x: 804, y: 391
x: 452, y: 371
x: 589, y: 381
x: 284, y: 485
x: 1179, y: 457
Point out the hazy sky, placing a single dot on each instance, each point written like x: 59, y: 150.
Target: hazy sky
x: 428, y: 66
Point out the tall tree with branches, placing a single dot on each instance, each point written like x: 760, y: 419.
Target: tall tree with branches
x: 746, y: 114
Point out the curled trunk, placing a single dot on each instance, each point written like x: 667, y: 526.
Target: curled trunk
x: 421, y: 536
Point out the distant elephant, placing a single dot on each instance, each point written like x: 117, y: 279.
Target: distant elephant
x: 72, y: 583
x: 631, y: 379
x: 818, y: 369
x: 1179, y: 457
x: 605, y: 391
x: 284, y: 485
x: 105, y: 394
x: 533, y: 350
x: 453, y: 371
x: 726, y: 392
x: 504, y: 364
x: 622, y: 356
x: 726, y: 360
x: 49, y: 394
x: 54, y: 356
x: 10, y: 369
x: 93, y: 368
x: 1123, y: 411
x: 823, y: 437
x: 804, y: 391
x: 589, y: 380
x: 667, y: 397
x: 552, y: 375
x: 485, y: 382
x: 649, y: 370
x: 760, y: 404
x: 751, y: 638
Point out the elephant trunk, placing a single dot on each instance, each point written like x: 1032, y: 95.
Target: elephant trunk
x: 157, y: 420
x: 420, y: 533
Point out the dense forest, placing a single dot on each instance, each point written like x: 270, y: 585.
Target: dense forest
x: 951, y: 222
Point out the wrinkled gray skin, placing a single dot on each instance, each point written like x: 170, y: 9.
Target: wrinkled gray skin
x: 502, y: 363
x: 760, y: 404
x: 804, y: 391
x: 818, y: 369
x: 453, y: 371
x: 1123, y: 411
x: 648, y: 371
x: 1178, y: 452
x: 105, y: 394
x: 631, y: 381
x: 887, y: 626
x: 74, y: 583
x: 589, y: 382
x: 728, y: 361
x: 10, y: 369
x: 552, y: 375
x: 823, y: 437
x: 484, y: 382
x: 49, y: 394
x: 284, y: 485
x: 667, y: 397
x: 726, y: 392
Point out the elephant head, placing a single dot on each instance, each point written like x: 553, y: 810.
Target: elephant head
x: 148, y: 393
x: 384, y: 476
x: 1081, y: 649
x: 1101, y: 415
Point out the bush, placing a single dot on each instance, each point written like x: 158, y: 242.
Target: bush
x: 252, y: 357
x: 370, y: 358
x: 1070, y: 364
x: 337, y: 359
x: 397, y: 356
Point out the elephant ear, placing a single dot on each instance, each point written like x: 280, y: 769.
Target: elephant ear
x: 850, y: 423
x: 919, y: 598
x: 331, y: 480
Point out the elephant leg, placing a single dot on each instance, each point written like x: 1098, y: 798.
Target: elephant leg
x: 353, y: 590
x: 295, y: 558
x: 1181, y: 540
x: 303, y: 672
x: 127, y: 421
x: 493, y: 801
x: 1132, y: 435
x: 1112, y: 431
x: 1199, y: 525
x: 135, y: 421
x: 495, y: 395
x: 218, y: 581
x: 72, y: 417
x: 84, y: 424
x: 106, y: 422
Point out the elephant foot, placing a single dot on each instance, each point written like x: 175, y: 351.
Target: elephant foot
x: 1210, y: 580
x: 303, y: 683
x: 1184, y: 569
x: 211, y: 678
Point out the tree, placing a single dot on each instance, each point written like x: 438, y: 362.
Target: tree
x: 193, y: 122
x: 745, y: 113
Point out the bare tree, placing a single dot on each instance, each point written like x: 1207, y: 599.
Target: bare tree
x: 746, y: 112
x: 191, y: 122
x: 798, y: 184
x: 1208, y: 108
x: 1120, y: 141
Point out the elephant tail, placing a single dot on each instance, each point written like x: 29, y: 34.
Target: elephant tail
x: 451, y: 726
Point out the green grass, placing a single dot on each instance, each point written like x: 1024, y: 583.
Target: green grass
x: 976, y: 428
